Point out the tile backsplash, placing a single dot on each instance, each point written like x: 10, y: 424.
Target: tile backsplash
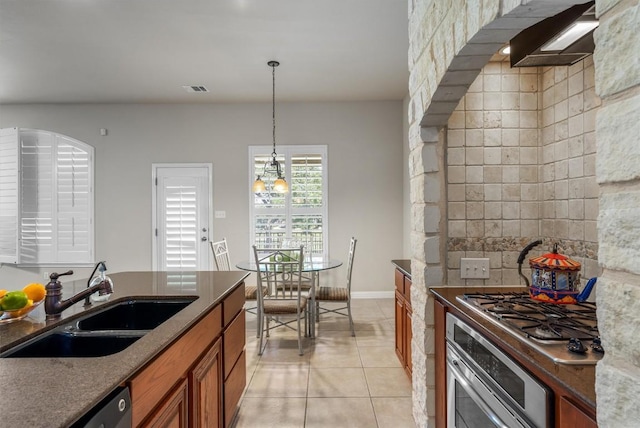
x: 521, y: 166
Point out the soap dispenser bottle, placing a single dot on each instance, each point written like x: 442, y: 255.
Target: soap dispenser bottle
x: 100, y: 277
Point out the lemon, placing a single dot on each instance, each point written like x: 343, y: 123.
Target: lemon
x: 35, y: 291
x: 14, y: 300
x: 24, y: 310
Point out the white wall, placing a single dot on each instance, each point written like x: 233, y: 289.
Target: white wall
x: 365, y: 147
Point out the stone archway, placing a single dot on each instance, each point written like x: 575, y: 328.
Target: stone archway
x: 450, y: 42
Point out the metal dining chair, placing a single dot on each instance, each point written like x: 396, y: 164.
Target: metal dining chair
x: 221, y: 257
x: 221, y: 254
x: 338, y: 294
x: 305, y: 284
x: 280, y: 269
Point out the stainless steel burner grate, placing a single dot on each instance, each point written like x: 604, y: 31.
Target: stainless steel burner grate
x: 548, y: 326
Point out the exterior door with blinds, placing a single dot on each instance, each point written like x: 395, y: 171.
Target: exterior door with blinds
x: 182, y: 201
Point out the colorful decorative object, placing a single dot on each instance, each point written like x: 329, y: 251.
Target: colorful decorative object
x: 555, y: 278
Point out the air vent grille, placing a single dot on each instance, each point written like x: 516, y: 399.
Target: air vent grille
x: 195, y: 88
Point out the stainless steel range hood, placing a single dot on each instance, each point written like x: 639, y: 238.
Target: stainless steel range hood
x: 563, y: 39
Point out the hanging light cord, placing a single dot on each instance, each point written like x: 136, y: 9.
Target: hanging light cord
x: 273, y: 105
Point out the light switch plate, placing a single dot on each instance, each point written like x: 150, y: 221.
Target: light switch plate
x: 474, y: 268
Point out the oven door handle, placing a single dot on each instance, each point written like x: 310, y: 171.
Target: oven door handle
x: 453, y: 364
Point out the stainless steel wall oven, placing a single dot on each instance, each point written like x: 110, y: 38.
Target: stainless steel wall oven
x: 486, y: 388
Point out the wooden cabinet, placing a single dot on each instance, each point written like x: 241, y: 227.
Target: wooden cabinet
x: 403, y: 314
x: 199, y: 379
x: 440, y: 361
x: 571, y: 416
x: 206, y: 388
x: 173, y: 411
x: 235, y: 366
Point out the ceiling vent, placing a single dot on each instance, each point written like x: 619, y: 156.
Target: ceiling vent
x: 195, y: 88
x: 563, y: 39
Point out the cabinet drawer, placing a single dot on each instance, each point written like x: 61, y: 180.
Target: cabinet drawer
x: 233, y: 388
x: 233, y: 342
x: 399, y: 281
x: 233, y: 304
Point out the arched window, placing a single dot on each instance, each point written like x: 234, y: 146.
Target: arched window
x: 46, y: 199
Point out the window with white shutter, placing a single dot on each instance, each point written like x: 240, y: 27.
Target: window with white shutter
x: 52, y: 215
x: 301, y: 213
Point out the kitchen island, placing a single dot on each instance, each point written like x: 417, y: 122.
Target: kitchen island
x: 56, y: 392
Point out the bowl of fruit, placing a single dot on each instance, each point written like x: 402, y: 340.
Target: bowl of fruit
x: 15, y: 305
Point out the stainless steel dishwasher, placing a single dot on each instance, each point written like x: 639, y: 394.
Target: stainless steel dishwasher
x: 112, y: 412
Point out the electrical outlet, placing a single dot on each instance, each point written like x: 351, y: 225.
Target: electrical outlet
x: 45, y: 276
x: 474, y: 268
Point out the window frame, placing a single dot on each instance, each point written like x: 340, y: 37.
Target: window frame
x: 287, y: 152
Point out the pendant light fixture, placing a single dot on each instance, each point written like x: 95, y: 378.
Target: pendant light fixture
x: 273, y: 166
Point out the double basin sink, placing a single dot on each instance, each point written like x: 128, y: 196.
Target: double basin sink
x: 106, y: 332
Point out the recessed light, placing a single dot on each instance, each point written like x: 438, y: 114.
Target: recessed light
x: 506, y: 50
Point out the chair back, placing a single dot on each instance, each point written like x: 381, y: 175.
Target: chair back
x: 221, y: 254
x: 279, y: 269
x: 352, y: 252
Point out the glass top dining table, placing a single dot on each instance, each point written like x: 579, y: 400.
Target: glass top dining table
x: 314, y: 265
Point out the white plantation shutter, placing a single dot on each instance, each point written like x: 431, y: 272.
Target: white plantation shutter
x: 308, y: 200
x: 181, y: 236
x: 74, y: 202
x: 56, y: 199
x: 37, y: 197
x: 9, y: 195
x: 300, y: 214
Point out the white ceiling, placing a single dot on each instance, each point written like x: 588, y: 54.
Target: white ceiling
x: 143, y: 51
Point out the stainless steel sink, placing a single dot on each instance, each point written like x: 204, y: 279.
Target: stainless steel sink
x: 102, y: 333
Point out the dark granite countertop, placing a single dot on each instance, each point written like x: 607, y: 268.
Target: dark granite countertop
x: 579, y: 379
x: 55, y: 392
x: 404, y: 266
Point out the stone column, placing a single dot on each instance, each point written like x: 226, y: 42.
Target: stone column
x: 426, y: 166
x: 617, y: 65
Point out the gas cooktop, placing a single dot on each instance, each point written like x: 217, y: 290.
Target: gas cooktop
x: 568, y: 334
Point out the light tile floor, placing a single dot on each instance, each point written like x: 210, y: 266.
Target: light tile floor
x: 340, y: 381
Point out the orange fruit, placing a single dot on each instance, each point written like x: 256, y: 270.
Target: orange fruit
x: 35, y: 291
x: 2, y: 293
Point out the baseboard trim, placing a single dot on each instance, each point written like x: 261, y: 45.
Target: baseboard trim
x: 372, y: 294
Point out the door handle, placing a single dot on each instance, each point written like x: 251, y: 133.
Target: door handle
x: 204, y: 239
